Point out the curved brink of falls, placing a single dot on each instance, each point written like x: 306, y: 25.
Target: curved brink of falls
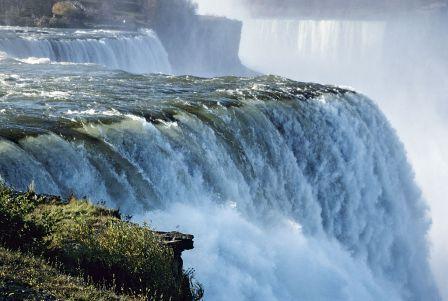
x: 295, y: 191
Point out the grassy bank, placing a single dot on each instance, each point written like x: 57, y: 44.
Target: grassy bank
x: 88, y: 249
x: 28, y: 277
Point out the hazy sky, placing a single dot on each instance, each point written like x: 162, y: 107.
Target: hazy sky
x: 238, y: 8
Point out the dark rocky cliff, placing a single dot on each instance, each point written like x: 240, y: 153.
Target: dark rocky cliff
x: 199, y: 45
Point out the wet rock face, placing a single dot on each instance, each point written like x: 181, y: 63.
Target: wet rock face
x: 179, y: 242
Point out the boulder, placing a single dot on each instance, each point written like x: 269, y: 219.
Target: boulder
x: 68, y: 9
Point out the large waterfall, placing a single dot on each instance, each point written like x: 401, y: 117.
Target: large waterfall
x: 294, y: 191
x: 140, y: 52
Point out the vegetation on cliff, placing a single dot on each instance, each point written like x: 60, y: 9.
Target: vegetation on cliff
x: 24, y: 276
x: 75, y: 250
x: 84, y: 13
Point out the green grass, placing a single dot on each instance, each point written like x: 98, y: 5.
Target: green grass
x: 28, y: 277
x: 90, y: 242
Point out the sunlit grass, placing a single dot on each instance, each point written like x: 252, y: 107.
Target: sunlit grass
x: 91, y: 242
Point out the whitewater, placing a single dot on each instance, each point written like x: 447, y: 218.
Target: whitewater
x: 108, y: 48
x: 294, y: 191
x: 400, y: 62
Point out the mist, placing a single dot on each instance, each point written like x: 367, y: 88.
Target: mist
x: 399, y: 61
x: 229, y: 8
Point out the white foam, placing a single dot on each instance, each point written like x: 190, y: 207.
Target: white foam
x: 237, y: 259
x: 3, y: 55
x: 55, y: 94
x: 35, y: 60
x: 93, y: 112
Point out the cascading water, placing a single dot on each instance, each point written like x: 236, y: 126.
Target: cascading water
x: 294, y: 191
x: 399, y: 61
x: 315, y: 50
x: 140, y: 52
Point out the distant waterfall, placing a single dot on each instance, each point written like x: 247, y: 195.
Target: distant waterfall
x: 140, y: 52
x: 315, y: 50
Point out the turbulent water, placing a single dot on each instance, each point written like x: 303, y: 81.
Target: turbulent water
x: 294, y: 191
x: 401, y: 62
x: 104, y: 47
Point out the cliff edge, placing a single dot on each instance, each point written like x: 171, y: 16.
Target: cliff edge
x: 52, y: 249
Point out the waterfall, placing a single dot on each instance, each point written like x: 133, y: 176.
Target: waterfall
x: 140, y: 52
x: 294, y: 191
x: 401, y: 63
x: 313, y: 50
